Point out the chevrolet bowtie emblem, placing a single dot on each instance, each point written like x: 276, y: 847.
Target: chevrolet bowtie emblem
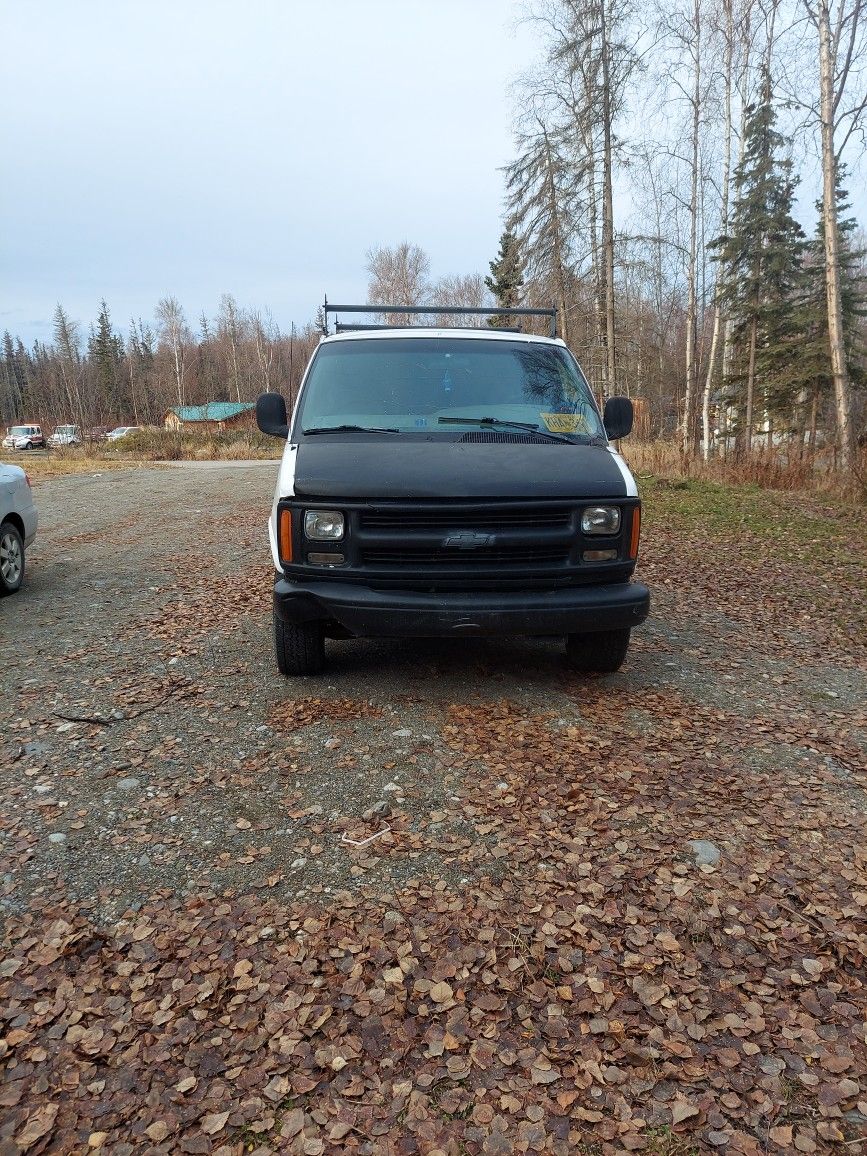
x: 468, y: 540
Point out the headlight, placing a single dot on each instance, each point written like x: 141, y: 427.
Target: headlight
x: 600, y: 520
x: 323, y: 525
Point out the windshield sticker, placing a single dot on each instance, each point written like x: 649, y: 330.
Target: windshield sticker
x: 565, y: 422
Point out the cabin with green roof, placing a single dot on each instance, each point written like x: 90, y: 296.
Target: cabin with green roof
x: 213, y: 416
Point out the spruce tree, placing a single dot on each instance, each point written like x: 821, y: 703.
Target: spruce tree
x: 762, y: 258
x: 106, y: 353
x: 13, y: 382
x: 507, y: 277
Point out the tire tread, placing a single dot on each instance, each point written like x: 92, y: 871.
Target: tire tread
x: 601, y: 652
x: 299, y: 647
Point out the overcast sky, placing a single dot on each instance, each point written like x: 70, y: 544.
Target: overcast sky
x: 196, y: 147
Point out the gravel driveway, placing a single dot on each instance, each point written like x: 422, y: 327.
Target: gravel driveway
x: 148, y: 741
x: 149, y: 752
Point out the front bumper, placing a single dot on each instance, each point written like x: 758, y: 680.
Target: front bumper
x: 368, y: 613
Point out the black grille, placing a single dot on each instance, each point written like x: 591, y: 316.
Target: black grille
x: 415, y: 555
x: 513, y: 438
x: 489, y: 520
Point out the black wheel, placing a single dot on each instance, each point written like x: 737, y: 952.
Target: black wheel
x: 29, y: 446
x: 601, y: 652
x: 11, y: 559
x: 299, y: 646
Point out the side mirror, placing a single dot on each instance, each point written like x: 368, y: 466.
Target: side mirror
x: 618, y: 417
x: 271, y: 415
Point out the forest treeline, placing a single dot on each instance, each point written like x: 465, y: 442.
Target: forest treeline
x: 703, y: 294
x: 105, y: 378
x: 652, y: 197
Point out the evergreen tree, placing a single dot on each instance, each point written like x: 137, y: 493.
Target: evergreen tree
x: 105, y: 349
x: 140, y: 362
x: 13, y: 382
x: 816, y: 350
x: 762, y: 259
x: 507, y: 277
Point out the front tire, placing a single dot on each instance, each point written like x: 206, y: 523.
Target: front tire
x: 11, y: 559
x: 299, y: 647
x: 600, y: 652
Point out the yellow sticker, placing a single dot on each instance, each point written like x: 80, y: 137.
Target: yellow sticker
x: 565, y: 422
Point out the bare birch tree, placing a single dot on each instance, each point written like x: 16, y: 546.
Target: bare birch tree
x: 175, y: 332
x: 398, y: 276
x: 728, y: 38
x: 231, y: 325
x: 841, y: 43
x: 264, y: 338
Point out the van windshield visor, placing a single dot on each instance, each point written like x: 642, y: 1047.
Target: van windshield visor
x: 422, y: 384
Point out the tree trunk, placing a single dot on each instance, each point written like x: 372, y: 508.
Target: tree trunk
x: 724, y: 224
x: 688, y: 442
x: 728, y: 328
x: 842, y: 402
x: 814, y: 414
x: 608, y: 210
x: 235, y: 373
x: 751, y: 383
x: 178, y: 375
x: 559, y: 263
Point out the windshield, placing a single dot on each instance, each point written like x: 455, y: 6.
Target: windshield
x: 22, y: 430
x: 421, y: 384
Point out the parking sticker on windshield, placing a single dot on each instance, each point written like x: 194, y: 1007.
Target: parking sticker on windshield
x: 565, y: 422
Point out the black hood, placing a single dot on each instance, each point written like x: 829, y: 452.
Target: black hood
x: 388, y: 468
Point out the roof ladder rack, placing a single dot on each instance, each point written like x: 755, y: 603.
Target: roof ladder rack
x: 427, y: 310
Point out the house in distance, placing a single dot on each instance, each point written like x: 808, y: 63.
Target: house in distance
x: 212, y: 417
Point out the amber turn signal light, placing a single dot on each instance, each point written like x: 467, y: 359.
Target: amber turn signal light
x: 285, y: 535
x: 636, y: 533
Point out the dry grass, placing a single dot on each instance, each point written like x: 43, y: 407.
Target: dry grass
x: 68, y: 462
x: 767, y: 469
x: 153, y: 445
x: 157, y: 445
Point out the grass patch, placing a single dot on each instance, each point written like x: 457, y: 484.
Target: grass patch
x: 663, y: 1142
x: 158, y: 445
x: 801, y: 521
x: 154, y: 445
x: 57, y: 465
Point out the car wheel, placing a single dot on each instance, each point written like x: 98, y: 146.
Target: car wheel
x: 11, y: 558
x: 600, y: 652
x: 299, y: 647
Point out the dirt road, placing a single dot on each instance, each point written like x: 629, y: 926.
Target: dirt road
x: 640, y: 899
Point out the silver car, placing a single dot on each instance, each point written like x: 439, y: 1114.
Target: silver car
x: 17, y: 526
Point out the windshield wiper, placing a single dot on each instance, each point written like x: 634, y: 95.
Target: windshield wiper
x: 580, y: 439
x: 321, y: 429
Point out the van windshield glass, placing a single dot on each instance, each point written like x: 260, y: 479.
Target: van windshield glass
x: 22, y: 430
x: 410, y: 384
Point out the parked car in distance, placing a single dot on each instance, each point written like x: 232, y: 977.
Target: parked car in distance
x: 120, y: 432
x: 98, y: 433
x: 65, y: 435
x: 24, y: 437
x: 17, y: 525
